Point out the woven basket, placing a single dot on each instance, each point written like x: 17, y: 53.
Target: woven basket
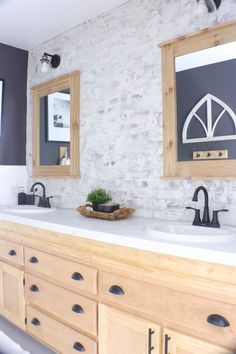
x: 121, y: 213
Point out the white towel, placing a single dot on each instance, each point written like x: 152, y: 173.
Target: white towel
x: 8, y: 346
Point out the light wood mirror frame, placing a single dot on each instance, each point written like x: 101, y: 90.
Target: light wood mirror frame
x: 70, y: 81
x: 173, y: 169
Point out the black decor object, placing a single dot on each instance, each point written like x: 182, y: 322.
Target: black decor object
x: 212, y: 5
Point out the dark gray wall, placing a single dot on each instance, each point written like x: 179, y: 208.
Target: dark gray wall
x: 193, y: 84
x: 13, y: 70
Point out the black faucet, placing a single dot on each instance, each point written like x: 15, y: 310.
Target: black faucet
x: 44, y: 201
x: 206, y: 216
x: 205, y: 221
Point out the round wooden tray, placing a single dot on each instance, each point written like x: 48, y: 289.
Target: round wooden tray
x: 119, y: 214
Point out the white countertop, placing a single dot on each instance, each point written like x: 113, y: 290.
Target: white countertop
x: 129, y: 232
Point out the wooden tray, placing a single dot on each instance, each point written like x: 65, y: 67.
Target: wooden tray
x: 119, y: 214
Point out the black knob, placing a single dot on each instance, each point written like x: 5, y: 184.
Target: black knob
x: 116, y: 290
x: 35, y: 322
x: 79, y: 347
x: 218, y: 320
x: 12, y: 253
x: 34, y: 289
x: 77, y: 309
x: 77, y: 276
x: 33, y: 260
x: 209, y: 154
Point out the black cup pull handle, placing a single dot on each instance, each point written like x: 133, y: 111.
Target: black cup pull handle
x: 218, y: 320
x: 150, y: 347
x: 77, y: 276
x: 12, y: 253
x: 79, y: 347
x: 167, y: 338
x: 34, y: 288
x: 33, y: 260
x: 77, y: 308
x: 35, y: 322
x: 116, y: 290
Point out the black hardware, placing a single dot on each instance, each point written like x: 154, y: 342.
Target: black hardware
x: 116, y: 290
x: 35, y: 322
x: 77, y: 309
x: 25, y: 320
x: 33, y: 260
x: 77, y: 276
x: 12, y: 253
x: 43, y: 200
x: 218, y: 320
x: 205, y: 221
x: 79, y: 347
x: 206, y: 218
x: 34, y: 289
x: 150, y: 347
x: 215, y: 220
x: 197, y: 218
x: 167, y: 338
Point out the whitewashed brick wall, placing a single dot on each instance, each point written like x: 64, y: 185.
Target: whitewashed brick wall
x: 121, y: 106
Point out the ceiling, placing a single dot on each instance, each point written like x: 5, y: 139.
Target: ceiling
x: 28, y: 23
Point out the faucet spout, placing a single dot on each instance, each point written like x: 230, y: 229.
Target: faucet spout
x: 206, y: 216
x: 40, y: 184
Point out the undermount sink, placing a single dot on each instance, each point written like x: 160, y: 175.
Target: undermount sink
x: 26, y: 209
x: 184, y: 232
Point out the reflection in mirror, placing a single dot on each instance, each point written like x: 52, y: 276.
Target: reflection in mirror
x: 206, y: 105
x: 55, y: 129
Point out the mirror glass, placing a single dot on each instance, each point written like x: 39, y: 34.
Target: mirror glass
x: 206, y: 105
x: 55, y: 128
x: 56, y: 123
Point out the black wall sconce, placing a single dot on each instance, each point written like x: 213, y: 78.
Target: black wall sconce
x: 212, y: 5
x: 54, y: 62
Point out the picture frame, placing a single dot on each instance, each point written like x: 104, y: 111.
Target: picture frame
x: 58, y: 117
x: 1, y: 103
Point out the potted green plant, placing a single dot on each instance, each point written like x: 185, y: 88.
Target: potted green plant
x: 98, y: 196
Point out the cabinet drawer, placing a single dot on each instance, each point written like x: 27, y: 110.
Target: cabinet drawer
x: 58, y: 336
x: 76, y: 276
x: 171, y: 306
x: 70, y: 307
x: 12, y: 252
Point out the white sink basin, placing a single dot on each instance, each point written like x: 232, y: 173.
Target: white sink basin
x: 26, y: 209
x: 185, y: 232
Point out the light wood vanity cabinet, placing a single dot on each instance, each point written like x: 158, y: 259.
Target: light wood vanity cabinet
x: 178, y: 343
x: 120, y: 332
x: 12, y: 300
x: 97, y: 298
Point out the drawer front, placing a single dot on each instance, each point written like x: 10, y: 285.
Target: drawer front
x: 67, y: 306
x: 58, y: 336
x: 59, y: 270
x: 12, y: 252
x: 173, y: 306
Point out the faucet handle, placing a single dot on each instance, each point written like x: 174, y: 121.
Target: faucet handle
x: 215, y: 220
x: 197, y: 218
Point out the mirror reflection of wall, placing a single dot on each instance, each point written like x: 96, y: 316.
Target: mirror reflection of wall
x: 55, y: 129
x: 206, y: 105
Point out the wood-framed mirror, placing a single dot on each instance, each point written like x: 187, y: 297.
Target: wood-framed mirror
x: 56, y: 127
x: 199, y: 104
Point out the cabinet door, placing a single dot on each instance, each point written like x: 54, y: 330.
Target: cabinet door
x: 12, y: 302
x: 176, y: 343
x: 120, y: 332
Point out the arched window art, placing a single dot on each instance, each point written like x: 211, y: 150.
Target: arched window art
x: 210, y: 123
